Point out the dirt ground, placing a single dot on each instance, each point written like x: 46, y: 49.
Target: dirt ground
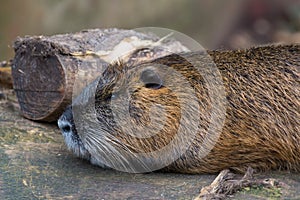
x: 35, y: 164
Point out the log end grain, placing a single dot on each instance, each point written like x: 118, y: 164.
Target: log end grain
x: 39, y: 80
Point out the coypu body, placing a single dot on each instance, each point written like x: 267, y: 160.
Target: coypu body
x: 261, y: 128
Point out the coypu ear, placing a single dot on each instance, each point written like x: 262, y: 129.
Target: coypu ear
x: 151, y: 79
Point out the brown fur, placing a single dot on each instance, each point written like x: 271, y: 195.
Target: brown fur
x: 262, y: 126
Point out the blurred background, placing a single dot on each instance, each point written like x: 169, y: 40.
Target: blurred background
x: 213, y: 23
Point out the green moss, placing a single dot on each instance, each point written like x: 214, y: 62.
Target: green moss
x: 270, y: 193
x: 13, y: 178
x: 14, y: 135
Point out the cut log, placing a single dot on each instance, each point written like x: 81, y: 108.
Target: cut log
x: 45, y: 69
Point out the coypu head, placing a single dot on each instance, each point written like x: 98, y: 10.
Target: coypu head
x: 140, y: 117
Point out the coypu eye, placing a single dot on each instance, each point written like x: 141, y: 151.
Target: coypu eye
x: 111, y: 96
x: 151, y: 79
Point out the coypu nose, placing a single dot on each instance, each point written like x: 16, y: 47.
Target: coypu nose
x: 64, y: 126
x: 66, y: 122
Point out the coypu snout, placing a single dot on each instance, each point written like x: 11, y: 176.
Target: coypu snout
x: 72, y: 139
x: 69, y: 132
x: 66, y: 122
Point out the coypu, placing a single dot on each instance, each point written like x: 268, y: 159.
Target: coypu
x: 261, y: 127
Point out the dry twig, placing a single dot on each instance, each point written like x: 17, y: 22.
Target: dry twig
x: 227, y: 183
